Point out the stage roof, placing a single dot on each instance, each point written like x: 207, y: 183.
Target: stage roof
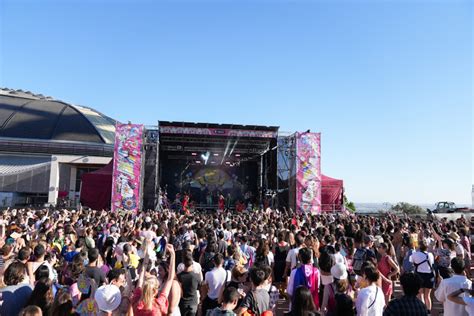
x: 224, y: 142
x: 219, y: 126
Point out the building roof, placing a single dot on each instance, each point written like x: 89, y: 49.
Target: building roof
x: 33, y: 116
x: 10, y: 165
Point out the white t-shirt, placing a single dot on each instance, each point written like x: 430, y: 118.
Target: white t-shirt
x: 292, y: 257
x: 271, y: 258
x: 196, y: 268
x: 448, y: 286
x: 459, y: 250
x: 469, y: 305
x: 418, y: 257
x: 216, y: 279
x: 370, y: 301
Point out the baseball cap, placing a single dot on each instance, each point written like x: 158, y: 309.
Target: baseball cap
x: 108, y: 297
x: 369, y: 238
x: 339, y: 271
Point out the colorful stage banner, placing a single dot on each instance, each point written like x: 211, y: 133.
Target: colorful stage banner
x: 126, y: 178
x: 308, y: 172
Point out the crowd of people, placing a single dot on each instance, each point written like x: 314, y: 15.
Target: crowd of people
x: 88, y: 262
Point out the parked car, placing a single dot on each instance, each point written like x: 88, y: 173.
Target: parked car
x: 447, y: 207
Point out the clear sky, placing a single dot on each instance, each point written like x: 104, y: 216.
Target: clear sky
x: 388, y: 83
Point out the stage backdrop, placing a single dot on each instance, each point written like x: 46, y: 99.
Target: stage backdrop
x: 308, y: 172
x: 126, y: 179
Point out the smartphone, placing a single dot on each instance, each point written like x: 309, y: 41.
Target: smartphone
x: 161, y: 251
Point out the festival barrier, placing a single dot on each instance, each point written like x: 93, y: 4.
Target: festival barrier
x: 308, y: 172
x: 126, y: 178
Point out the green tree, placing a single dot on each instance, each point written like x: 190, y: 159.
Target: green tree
x: 404, y: 207
x: 349, y: 205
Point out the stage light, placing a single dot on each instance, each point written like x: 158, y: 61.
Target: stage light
x: 205, y: 157
x: 237, y: 155
x: 216, y: 155
x: 193, y: 154
x: 227, y: 162
x: 213, y: 162
x: 198, y: 161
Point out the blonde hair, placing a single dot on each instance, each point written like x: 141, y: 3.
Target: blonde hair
x: 150, y: 287
x: 31, y: 310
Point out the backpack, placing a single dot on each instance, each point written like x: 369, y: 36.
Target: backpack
x: 229, y: 264
x: 358, y: 260
x: 208, y: 261
x: 407, y: 265
x: 426, y: 260
x: 261, y: 261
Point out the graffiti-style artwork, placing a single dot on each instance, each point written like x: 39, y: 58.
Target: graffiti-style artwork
x: 127, y: 168
x: 308, y: 172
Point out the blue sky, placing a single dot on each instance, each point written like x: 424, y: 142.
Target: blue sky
x: 388, y: 83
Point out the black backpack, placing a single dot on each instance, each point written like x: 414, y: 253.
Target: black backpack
x: 358, y: 260
x: 208, y: 261
x: 261, y: 261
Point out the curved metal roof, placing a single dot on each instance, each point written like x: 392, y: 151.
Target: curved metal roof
x: 34, y: 116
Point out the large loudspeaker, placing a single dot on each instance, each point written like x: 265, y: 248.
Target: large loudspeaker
x: 150, y: 180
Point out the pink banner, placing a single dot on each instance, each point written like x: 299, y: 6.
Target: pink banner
x: 217, y: 132
x: 308, y: 172
x: 126, y: 178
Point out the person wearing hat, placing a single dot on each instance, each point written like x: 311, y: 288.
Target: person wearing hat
x: 445, y: 254
x: 108, y: 299
x: 339, y: 290
x: 460, y: 252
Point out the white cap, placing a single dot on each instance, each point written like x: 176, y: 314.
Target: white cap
x: 108, y: 297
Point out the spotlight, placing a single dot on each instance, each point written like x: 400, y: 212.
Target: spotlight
x: 237, y: 155
x: 198, y: 161
x: 216, y: 155
x: 193, y: 154
x: 205, y: 157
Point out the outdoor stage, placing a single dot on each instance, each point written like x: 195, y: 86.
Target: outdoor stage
x: 241, y: 164
x: 208, y: 160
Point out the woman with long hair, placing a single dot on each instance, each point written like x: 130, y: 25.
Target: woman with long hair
x: 63, y: 305
x: 263, y: 255
x: 387, y: 268
x: 147, y: 296
x: 303, y: 303
x: 175, y: 292
x: 42, y: 295
x: 281, y: 249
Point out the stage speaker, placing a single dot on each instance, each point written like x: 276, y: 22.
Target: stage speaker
x: 150, y: 186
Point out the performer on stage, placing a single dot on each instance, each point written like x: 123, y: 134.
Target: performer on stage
x: 221, y: 205
x: 186, y: 204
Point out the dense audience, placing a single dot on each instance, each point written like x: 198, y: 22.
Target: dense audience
x: 87, y: 262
